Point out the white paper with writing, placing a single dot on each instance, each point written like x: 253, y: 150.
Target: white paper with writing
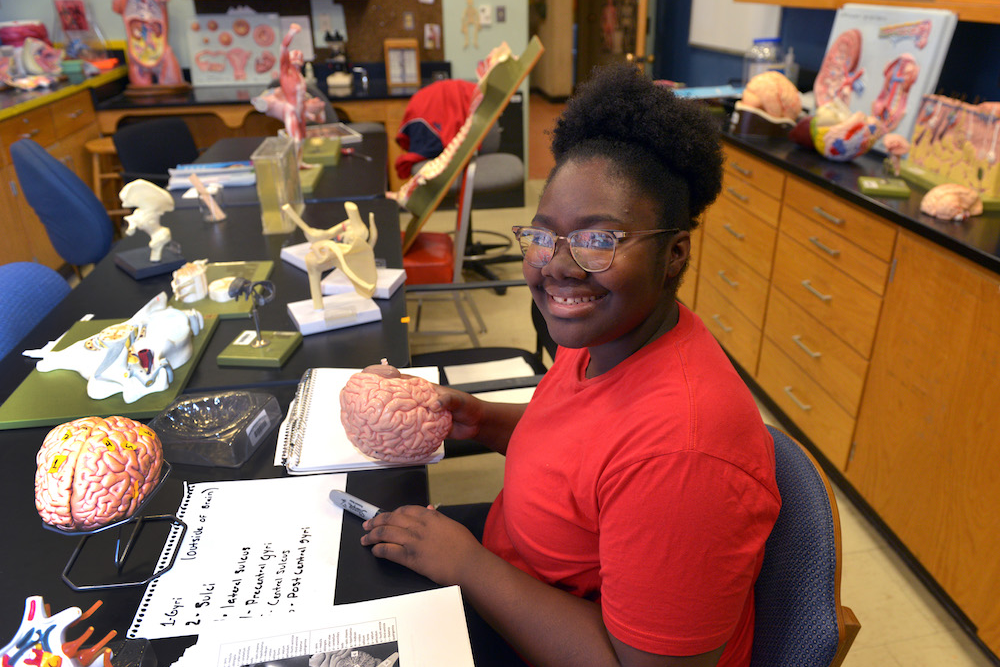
x: 253, y: 548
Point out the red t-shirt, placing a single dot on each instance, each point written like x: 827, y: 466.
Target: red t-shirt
x: 649, y: 489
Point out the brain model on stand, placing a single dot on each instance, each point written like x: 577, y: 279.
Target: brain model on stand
x: 94, y: 471
x: 392, y: 417
x: 772, y: 93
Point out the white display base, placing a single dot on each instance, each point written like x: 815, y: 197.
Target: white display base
x: 339, y: 311
x: 386, y: 282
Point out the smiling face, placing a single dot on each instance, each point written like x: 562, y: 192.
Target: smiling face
x: 619, y: 310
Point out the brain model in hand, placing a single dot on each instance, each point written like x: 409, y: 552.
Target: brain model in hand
x: 392, y: 417
x: 94, y: 471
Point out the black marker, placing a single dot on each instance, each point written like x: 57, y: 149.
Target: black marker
x: 355, y: 506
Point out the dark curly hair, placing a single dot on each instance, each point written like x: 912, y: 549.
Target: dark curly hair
x: 667, y: 147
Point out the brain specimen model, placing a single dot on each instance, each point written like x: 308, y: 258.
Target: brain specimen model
x: 774, y: 94
x: 392, y: 417
x: 951, y: 201
x: 95, y: 471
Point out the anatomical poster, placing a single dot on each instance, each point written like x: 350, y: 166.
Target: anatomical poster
x: 883, y: 60
x: 234, y: 49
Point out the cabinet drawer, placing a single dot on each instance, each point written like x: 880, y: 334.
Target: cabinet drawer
x: 849, y: 221
x: 757, y: 172
x: 739, y: 192
x: 729, y: 326
x: 825, y: 423
x: 745, y: 235
x: 842, y: 304
x: 35, y: 124
x: 864, y: 267
x: 734, y: 280
x: 72, y: 113
x: 831, y: 363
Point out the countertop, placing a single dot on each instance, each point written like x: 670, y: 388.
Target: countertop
x: 976, y: 239
x: 14, y: 102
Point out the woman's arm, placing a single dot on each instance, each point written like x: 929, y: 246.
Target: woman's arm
x: 547, y: 626
x: 487, y: 423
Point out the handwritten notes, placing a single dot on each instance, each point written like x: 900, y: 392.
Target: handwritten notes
x: 253, y: 548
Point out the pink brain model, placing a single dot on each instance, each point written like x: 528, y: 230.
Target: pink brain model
x: 95, y: 471
x: 392, y: 417
x: 951, y: 201
x: 774, y: 94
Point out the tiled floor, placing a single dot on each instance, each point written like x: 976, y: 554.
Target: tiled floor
x: 902, y: 624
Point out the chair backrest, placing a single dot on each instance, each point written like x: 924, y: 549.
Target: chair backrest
x: 149, y: 148
x: 75, y: 219
x: 28, y: 291
x: 799, y: 619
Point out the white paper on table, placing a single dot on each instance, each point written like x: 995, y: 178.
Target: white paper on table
x: 253, y: 548
x: 426, y: 628
x: 483, y: 371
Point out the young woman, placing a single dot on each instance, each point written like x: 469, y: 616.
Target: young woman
x: 639, y: 482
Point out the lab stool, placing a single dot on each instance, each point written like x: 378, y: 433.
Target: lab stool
x: 104, y: 159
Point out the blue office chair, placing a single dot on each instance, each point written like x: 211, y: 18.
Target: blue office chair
x: 28, y: 291
x: 799, y: 619
x: 78, y: 226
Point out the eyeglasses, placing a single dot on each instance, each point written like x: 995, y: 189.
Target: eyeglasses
x: 592, y: 249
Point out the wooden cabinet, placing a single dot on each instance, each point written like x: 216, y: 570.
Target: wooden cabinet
x: 740, y: 229
x: 61, y: 127
x: 830, y: 270
x: 926, y: 450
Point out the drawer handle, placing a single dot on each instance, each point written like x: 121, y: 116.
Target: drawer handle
x: 31, y: 133
x: 732, y: 231
x: 76, y: 114
x: 816, y: 292
x: 742, y: 170
x: 729, y: 281
x: 798, y: 341
x: 795, y: 399
x: 832, y: 218
x: 733, y: 192
x: 833, y: 252
x: 718, y: 320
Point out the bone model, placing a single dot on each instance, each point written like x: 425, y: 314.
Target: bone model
x: 150, y: 202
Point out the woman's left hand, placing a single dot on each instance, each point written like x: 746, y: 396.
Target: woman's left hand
x: 423, y: 540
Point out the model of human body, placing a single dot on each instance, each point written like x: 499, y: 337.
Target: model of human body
x: 137, y: 357
x: 639, y: 483
x: 348, y: 246
x: 151, y: 61
x: 289, y: 102
x: 150, y: 202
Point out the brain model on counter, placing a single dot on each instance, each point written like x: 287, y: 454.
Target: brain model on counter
x: 95, y: 471
x: 951, y: 201
x: 392, y: 417
x: 772, y: 93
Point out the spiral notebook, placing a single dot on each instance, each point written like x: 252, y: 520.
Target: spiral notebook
x: 312, y: 439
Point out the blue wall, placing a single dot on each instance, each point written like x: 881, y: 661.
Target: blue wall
x: 972, y: 68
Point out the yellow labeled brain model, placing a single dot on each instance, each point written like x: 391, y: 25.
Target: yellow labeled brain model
x: 94, y: 471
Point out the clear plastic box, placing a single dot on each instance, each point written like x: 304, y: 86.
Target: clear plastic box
x: 276, y: 165
x: 221, y: 429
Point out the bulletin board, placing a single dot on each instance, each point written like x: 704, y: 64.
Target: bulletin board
x: 730, y: 26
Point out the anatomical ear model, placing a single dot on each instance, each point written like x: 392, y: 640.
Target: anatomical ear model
x: 348, y: 246
x: 136, y: 357
x: 151, y: 61
x: 42, y: 639
x: 289, y: 102
x: 150, y: 201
